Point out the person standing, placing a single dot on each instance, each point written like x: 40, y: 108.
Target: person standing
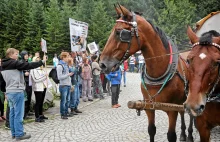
x: 132, y: 63
x: 64, y: 75
x: 86, y: 80
x: 75, y: 95
x: 36, y: 55
x: 97, y: 84
x: 55, y: 61
x: 30, y: 58
x: 13, y: 75
x: 141, y: 62
x: 28, y: 88
x: 115, y: 78
x: 39, y: 86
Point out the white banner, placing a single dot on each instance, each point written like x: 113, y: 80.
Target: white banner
x: 43, y: 45
x: 92, y: 47
x: 78, y: 34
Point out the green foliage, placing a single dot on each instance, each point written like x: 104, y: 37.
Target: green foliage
x: 24, y: 22
x: 100, y: 25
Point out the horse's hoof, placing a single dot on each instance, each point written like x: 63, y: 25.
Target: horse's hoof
x: 183, y: 137
x: 189, y: 139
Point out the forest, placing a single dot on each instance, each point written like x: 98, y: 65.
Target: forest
x: 24, y: 22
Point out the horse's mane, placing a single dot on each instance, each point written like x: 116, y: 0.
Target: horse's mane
x: 161, y: 34
x: 207, y: 36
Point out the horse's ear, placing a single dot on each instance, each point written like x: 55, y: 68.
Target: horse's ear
x: 117, y: 10
x: 125, y: 11
x: 216, y: 40
x: 192, y: 36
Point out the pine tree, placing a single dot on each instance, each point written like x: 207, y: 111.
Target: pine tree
x: 101, y: 24
x: 16, y: 28
x: 36, y: 27
x: 54, y: 35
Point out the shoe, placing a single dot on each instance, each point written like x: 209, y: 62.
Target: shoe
x: 77, y: 111
x: 90, y: 100
x: 7, y: 127
x: 105, y: 91
x: 115, y: 106
x: 73, y: 113
x: 118, y: 105
x: 39, y: 120
x: 124, y: 85
x: 64, y: 117
x: 25, y: 136
x: 43, y: 117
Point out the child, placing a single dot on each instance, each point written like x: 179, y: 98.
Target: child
x: 115, y: 78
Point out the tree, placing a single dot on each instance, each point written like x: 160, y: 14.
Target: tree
x: 66, y: 13
x: 35, y: 27
x: 54, y: 36
x: 101, y: 24
x: 16, y: 28
x: 174, y: 18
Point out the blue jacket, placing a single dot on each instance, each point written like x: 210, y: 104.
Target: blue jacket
x: 114, y: 77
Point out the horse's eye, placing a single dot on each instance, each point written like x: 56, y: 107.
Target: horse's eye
x: 117, y: 32
x: 189, y: 61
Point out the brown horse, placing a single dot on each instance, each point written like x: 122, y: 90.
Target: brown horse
x: 132, y: 33
x: 203, y: 76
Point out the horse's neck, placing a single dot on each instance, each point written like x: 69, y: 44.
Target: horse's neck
x: 153, y: 47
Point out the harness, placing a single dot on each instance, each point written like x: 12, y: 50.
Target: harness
x: 211, y: 96
x: 127, y: 35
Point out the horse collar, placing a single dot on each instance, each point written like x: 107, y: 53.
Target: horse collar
x: 171, y: 68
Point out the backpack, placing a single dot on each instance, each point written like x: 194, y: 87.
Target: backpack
x: 53, y: 74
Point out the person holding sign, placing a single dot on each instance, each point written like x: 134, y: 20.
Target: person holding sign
x: 15, y: 85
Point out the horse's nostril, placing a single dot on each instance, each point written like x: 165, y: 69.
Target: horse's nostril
x: 102, y: 65
x: 202, y: 107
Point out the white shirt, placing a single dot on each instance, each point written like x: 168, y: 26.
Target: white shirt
x: 132, y: 60
x: 141, y: 59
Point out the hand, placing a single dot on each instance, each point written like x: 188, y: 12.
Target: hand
x: 70, y: 74
x: 26, y: 73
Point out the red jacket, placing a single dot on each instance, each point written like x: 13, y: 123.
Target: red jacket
x: 125, y: 65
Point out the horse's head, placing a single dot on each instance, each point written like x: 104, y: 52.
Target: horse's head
x: 123, y: 41
x: 203, y: 69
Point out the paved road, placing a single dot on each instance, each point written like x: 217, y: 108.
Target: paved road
x: 100, y: 123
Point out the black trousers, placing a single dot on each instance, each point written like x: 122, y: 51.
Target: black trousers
x: 104, y: 83
x: 2, y: 108
x: 39, y: 97
x: 115, y: 88
x: 28, y: 90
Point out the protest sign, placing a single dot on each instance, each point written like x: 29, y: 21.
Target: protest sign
x: 78, y: 34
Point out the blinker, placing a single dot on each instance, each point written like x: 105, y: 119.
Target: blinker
x: 125, y: 35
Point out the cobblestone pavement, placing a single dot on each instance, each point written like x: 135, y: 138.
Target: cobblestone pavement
x: 100, y: 123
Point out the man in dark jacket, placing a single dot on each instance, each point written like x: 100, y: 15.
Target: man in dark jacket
x: 12, y: 72
x: 28, y: 88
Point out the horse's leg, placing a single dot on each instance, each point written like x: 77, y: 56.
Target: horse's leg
x: 183, y: 127
x: 151, y: 124
x: 190, y: 129
x: 204, y: 130
x: 171, y: 135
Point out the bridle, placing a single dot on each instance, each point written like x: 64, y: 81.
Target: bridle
x: 218, y: 79
x: 127, y: 35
